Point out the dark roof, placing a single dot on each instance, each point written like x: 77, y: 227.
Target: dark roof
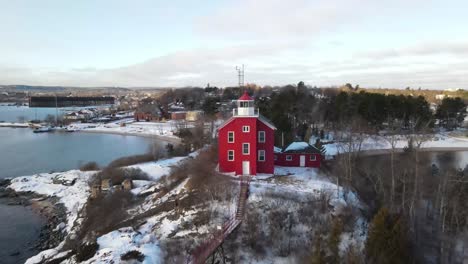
x: 149, y: 109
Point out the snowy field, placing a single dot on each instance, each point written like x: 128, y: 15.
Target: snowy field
x: 437, y: 141
x: 128, y: 127
x: 292, y: 192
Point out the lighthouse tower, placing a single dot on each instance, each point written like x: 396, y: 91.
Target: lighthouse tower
x: 246, y: 141
x: 245, y: 106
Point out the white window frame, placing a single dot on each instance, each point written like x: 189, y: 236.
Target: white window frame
x: 233, y: 157
x: 260, y: 155
x: 289, y: 158
x: 233, y: 139
x: 313, y: 157
x: 246, y: 129
x: 248, y: 148
x: 264, y: 136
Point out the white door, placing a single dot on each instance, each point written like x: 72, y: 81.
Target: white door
x: 246, y: 168
x: 302, y: 161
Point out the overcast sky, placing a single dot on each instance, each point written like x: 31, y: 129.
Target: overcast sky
x: 134, y: 43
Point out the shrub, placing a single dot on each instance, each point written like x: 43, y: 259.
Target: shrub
x: 133, y: 254
x: 131, y: 160
x: 86, y: 251
x: 118, y: 175
x: 104, y: 213
x: 90, y: 166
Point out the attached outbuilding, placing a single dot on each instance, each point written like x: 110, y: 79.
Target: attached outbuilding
x: 298, y: 154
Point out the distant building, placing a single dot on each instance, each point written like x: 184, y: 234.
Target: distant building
x: 298, y: 154
x: 178, y: 115
x: 246, y: 141
x: 149, y: 111
x: 193, y: 115
x: 106, y: 184
x: 83, y: 114
x: 127, y: 184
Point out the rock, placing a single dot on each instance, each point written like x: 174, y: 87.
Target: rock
x: 5, y: 182
x: 62, y: 225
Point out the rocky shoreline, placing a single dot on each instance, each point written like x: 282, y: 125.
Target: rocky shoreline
x: 53, y: 213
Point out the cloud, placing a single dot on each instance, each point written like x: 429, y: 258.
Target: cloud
x: 217, y: 67
x: 260, y: 19
x: 422, y: 49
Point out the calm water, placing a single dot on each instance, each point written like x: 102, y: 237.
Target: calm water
x: 19, y: 229
x: 12, y: 113
x: 23, y: 152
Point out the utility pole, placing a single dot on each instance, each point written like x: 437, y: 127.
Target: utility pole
x: 240, y: 75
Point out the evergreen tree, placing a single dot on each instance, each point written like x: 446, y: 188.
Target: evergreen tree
x: 318, y: 144
x: 387, y: 240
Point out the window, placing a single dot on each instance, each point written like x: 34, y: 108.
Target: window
x: 245, y: 129
x: 245, y: 148
x: 288, y: 157
x: 244, y: 104
x: 231, y: 137
x: 276, y: 157
x: 261, y: 136
x: 261, y: 155
x: 230, y: 155
x: 313, y: 157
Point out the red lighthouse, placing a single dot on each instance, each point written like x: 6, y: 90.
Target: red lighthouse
x: 246, y: 141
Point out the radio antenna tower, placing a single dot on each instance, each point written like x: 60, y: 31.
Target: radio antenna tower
x: 240, y: 75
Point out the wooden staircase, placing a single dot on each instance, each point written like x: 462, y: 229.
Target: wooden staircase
x: 202, y: 252
x: 243, y: 195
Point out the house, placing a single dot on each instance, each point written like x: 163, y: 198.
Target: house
x: 246, y: 141
x: 148, y: 111
x: 298, y: 154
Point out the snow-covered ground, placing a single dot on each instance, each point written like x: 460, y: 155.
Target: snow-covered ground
x: 293, y: 190
x: 302, y: 181
x: 8, y: 124
x: 441, y: 140
x: 116, y: 243
x: 161, y: 129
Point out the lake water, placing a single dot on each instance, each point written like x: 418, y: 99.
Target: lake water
x: 12, y: 113
x: 19, y: 229
x: 23, y: 152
